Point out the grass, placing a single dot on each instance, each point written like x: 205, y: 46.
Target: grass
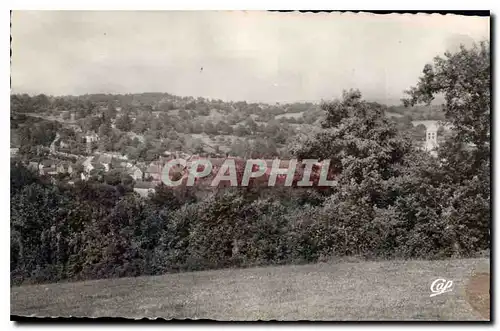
x: 290, y: 115
x: 388, y: 290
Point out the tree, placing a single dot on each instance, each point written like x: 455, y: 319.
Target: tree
x: 197, y: 127
x: 41, y: 103
x: 110, y: 112
x: 263, y: 148
x: 90, y: 123
x: 224, y: 128
x: 105, y: 144
x: 139, y: 126
x: 166, y: 106
x: 464, y: 79
x: 180, y: 127
x: 155, y: 125
x: 104, y: 130
x: 209, y: 128
x: 21, y: 176
x: 173, y: 135
x: 184, y: 115
x: 464, y: 182
x: 197, y: 146
x: 367, y: 157
x: 241, y: 131
x: 418, y: 133
x: 358, y: 132
x: 164, y: 197
x: 272, y: 128
x: 113, y: 177
x: 121, y: 144
x: 251, y: 125
x: 240, y: 148
x: 124, y: 122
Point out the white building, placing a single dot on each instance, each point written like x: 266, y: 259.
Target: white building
x: 91, y: 137
x: 431, y: 142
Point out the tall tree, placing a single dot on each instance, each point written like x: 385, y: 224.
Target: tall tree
x: 124, y: 122
x: 356, y: 137
x: 110, y: 112
x: 464, y: 80
x: 104, y: 129
x: 464, y: 182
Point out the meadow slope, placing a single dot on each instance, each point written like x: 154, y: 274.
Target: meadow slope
x: 388, y: 290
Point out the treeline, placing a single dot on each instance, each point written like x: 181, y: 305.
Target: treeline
x: 419, y: 112
x: 86, y: 104
x: 141, y: 131
x: 143, y: 126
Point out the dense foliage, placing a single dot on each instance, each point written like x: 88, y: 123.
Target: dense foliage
x: 143, y: 125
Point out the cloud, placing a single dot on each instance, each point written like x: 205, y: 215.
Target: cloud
x: 255, y: 56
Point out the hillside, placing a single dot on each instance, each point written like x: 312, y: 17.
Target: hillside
x: 389, y: 290
x: 208, y: 127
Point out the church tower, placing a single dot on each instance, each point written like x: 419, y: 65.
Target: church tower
x: 431, y: 137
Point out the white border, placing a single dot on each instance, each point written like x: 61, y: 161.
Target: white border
x: 183, y: 5
x: 255, y: 5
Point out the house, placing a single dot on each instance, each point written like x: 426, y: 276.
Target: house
x: 59, y: 144
x: 102, y: 159
x: 144, y: 188
x: 87, y: 164
x: 91, y: 136
x: 127, y: 168
x: 135, y: 173
x: 47, y: 167
x: 64, y: 144
x: 65, y: 168
x: 431, y: 141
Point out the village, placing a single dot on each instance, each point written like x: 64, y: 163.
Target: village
x: 59, y: 164
x: 147, y: 175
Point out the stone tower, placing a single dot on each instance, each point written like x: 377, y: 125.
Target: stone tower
x: 431, y: 137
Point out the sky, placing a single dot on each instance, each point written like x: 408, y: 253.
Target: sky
x: 252, y: 56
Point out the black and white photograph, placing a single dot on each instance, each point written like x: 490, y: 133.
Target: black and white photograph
x: 250, y: 165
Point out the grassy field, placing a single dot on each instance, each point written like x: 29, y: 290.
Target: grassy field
x: 389, y: 290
